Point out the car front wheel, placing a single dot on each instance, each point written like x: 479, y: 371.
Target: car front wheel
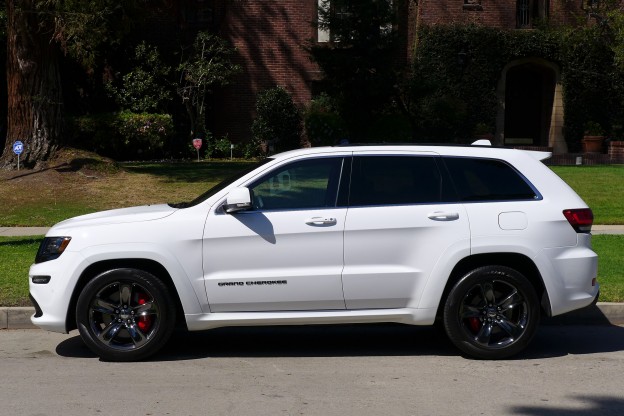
x: 492, y: 313
x: 125, y: 315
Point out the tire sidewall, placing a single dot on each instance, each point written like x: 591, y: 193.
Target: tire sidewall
x: 454, y: 327
x: 156, y: 288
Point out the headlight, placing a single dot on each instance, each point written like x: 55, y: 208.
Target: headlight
x: 51, y: 248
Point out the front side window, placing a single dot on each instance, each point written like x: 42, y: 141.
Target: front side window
x: 299, y: 185
x: 396, y: 180
x: 487, y: 180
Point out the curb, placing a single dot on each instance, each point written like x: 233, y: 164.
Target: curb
x: 16, y: 318
x: 602, y: 313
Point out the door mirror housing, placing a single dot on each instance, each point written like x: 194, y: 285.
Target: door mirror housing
x: 239, y: 199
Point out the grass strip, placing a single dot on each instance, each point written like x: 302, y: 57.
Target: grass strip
x: 16, y: 256
x: 601, y: 187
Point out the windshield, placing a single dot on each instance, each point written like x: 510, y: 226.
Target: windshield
x: 220, y: 186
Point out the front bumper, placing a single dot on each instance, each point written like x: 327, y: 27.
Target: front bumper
x: 52, y: 299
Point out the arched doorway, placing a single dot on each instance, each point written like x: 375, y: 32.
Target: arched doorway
x: 531, y: 107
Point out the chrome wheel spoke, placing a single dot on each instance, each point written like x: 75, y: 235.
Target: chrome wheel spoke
x: 512, y: 301
x: 148, y: 308
x: 125, y: 294
x: 138, y: 338
x: 102, y: 306
x: 514, y: 330
x: 470, y: 312
x: 108, y: 334
x: 484, y: 335
x: 487, y: 290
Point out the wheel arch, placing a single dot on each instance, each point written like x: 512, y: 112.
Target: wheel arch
x: 147, y: 265
x: 519, y: 262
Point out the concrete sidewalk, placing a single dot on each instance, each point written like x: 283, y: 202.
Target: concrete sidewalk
x: 22, y: 231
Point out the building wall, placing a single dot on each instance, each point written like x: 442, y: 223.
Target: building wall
x: 270, y: 37
x: 494, y: 13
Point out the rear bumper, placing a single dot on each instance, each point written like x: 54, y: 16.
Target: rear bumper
x: 570, y: 277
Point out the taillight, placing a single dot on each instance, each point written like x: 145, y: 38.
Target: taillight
x: 580, y: 219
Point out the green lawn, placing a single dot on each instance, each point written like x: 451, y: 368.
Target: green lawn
x: 43, y: 198
x: 18, y: 253
x: 601, y: 187
x: 16, y: 256
x: 610, y: 266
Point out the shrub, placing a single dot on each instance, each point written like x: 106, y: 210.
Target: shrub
x: 123, y: 135
x: 322, y: 123
x: 278, y: 121
x: 218, y: 148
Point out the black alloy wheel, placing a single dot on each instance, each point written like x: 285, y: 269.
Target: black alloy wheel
x: 125, y: 315
x: 492, y: 313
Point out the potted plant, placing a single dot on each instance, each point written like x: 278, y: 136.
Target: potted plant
x: 593, y: 138
x: 483, y: 131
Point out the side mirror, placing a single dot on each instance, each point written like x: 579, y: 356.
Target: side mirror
x: 239, y: 199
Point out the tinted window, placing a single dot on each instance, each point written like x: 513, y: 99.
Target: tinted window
x: 487, y: 180
x: 305, y: 184
x: 389, y: 180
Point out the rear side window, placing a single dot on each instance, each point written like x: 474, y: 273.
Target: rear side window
x: 488, y: 180
x: 396, y: 180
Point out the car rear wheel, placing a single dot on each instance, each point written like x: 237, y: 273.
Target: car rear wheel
x: 125, y: 315
x: 492, y: 313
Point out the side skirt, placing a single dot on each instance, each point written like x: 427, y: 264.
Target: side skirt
x: 403, y: 316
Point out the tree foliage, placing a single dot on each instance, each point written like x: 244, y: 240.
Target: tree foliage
x: 205, y: 65
x: 37, y: 32
x: 361, y: 64
x: 80, y: 27
x: 146, y: 87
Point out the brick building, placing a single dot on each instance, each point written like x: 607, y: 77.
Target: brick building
x: 270, y: 37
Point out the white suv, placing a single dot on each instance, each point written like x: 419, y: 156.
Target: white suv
x: 484, y: 239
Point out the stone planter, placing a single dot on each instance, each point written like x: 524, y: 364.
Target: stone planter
x: 592, y: 144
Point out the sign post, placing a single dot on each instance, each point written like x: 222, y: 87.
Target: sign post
x: 18, y: 148
x: 197, y: 144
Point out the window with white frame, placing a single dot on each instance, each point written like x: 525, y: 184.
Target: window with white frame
x: 328, y: 9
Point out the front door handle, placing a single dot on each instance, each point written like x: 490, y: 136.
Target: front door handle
x: 443, y: 216
x: 321, y: 221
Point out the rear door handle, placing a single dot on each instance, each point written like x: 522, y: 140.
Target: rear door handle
x: 443, y: 216
x: 321, y: 221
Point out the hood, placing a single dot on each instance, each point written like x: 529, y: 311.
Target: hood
x: 119, y: 216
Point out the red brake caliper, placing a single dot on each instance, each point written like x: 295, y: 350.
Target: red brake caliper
x: 144, y: 322
x: 475, y: 324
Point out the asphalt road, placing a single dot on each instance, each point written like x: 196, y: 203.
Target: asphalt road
x: 351, y: 370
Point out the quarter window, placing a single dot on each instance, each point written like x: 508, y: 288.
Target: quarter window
x: 304, y: 184
x: 396, y: 180
x: 487, y: 180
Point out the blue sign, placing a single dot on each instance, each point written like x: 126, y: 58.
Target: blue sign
x: 18, y: 147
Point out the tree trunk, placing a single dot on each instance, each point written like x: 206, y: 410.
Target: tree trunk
x: 34, y: 87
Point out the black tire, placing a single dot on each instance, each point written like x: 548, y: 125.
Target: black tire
x: 492, y: 313
x: 125, y: 315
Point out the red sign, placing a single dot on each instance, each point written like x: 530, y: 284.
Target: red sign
x: 197, y: 143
